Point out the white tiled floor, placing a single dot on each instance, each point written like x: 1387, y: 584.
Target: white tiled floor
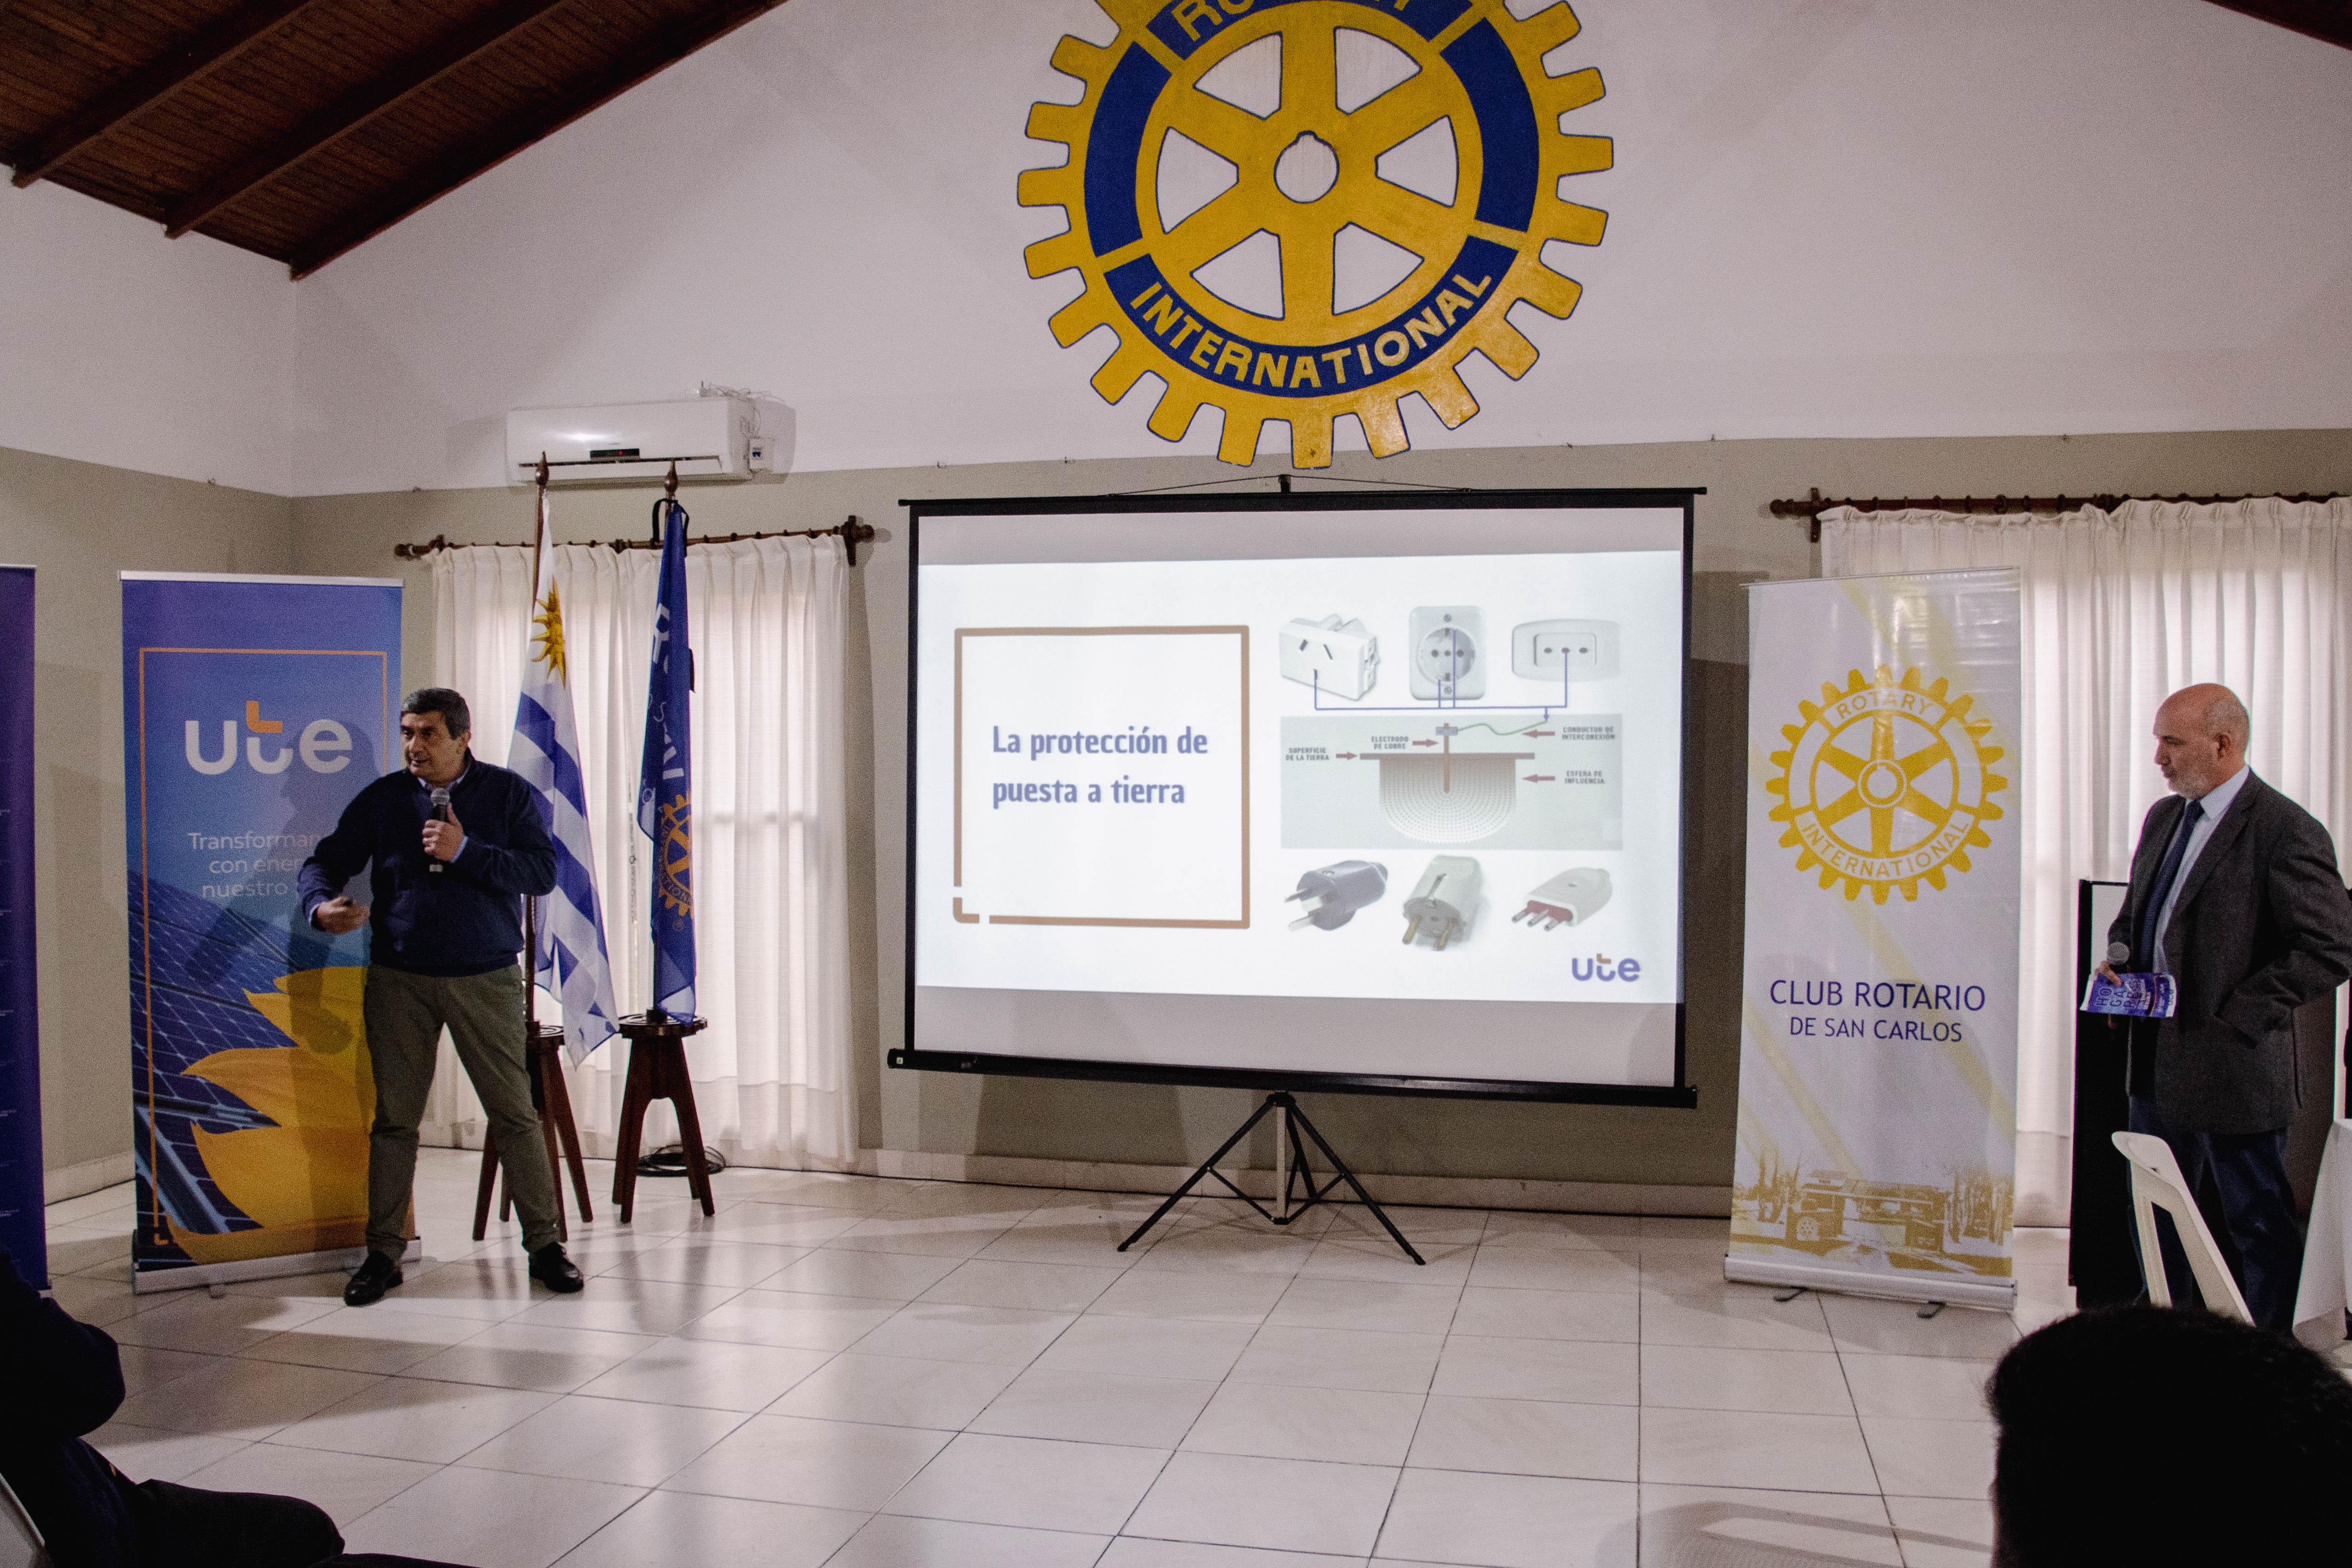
x: 873, y: 1373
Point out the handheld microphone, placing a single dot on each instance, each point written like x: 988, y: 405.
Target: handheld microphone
x: 2118, y: 952
x: 440, y: 814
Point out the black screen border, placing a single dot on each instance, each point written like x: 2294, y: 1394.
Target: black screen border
x: 1680, y: 1095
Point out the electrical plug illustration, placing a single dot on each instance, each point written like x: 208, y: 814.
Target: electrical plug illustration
x: 1442, y: 900
x: 1570, y: 899
x: 1335, y: 892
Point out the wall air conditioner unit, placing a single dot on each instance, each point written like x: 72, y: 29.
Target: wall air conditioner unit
x: 707, y: 437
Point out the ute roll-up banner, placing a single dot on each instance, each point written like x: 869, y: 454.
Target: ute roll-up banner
x: 1878, y: 1143
x: 253, y: 709
x: 21, y: 1228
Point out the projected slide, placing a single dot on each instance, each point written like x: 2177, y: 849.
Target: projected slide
x: 1207, y: 788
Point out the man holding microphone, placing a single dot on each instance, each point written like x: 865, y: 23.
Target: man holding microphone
x: 2235, y: 894
x: 455, y: 845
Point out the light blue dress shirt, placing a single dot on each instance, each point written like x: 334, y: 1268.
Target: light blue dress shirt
x: 2215, y: 803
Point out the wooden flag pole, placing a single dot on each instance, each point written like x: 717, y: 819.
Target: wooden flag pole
x: 530, y: 905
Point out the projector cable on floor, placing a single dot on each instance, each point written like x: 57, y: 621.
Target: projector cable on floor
x: 669, y: 1160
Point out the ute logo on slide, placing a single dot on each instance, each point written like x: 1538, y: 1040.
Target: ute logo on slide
x: 1886, y: 784
x: 1350, y: 194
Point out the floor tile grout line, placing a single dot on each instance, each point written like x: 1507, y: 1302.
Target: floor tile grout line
x: 1868, y: 1452
x: 1641, y: 1411
x: 1387, y: 1510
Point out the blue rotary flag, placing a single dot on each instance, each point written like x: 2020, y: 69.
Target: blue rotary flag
x: 665, y: 781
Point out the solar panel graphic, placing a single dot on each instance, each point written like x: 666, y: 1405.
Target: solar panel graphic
x: 194, y: 966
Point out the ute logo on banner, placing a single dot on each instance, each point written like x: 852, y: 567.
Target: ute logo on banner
x: 323, y: 745
x: 1876, y: 1138
x: 1920, y: 783
x: 1320, y: 237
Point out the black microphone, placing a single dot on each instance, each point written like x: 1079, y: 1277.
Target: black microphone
x: 440, y: 814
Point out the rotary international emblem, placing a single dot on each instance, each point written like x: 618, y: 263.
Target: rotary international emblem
x: 674, y: 857
x: 1886, y: 784
x: 1301, y: 209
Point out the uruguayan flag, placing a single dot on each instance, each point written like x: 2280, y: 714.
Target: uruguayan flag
x: 570, y: 960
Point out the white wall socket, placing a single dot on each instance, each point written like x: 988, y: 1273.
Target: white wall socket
x: 1557, y: 651
x: 1449, y: 652
x: 1331, y: 655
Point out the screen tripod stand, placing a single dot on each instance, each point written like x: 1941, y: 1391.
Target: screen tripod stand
x: 1291, y: 1174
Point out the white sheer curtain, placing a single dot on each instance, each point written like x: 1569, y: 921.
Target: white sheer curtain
x: 2121, y: 610
x: 771, y: 1073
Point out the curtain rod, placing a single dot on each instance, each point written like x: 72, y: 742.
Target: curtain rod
x: 1813, y: 506
x: 850, y: 531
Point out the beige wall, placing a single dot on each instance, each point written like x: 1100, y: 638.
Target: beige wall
x: 81, y: 524
x: 1738, y: 540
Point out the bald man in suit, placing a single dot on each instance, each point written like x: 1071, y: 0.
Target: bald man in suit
x: 2235, y: 894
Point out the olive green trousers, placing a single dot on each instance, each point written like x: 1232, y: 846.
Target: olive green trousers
x: 484, y: 1014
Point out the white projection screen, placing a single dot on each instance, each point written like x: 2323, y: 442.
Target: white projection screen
x: 1374, y: 792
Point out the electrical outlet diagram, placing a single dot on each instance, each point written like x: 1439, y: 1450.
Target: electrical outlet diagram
x: 1449, y: 653
x: 1560, y: 653
x: 1336, y: 658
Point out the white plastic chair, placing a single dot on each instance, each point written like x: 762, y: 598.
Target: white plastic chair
x: 2156, y: 1184
x: 20, y: 1541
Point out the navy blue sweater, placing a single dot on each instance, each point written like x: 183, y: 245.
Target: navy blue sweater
x: 63, y: 1379
x: 467, y: 918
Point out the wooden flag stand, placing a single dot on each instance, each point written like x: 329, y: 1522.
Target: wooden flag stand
x: 551, y: 1098
x: 658, y: 1071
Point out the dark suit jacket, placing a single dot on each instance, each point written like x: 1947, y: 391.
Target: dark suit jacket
x: 59, y: 1379
x: 2262, y: 926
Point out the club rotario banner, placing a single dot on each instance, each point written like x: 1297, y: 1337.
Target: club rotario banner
x: 1878, y: 1045
x: 253, y: 709
x: 21, y: 1228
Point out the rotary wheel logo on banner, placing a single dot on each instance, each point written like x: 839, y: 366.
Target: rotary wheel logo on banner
x: 1301, y: 209
x: 1886, y: 784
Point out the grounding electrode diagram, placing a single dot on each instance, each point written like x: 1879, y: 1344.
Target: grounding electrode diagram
x: 1502, y: 779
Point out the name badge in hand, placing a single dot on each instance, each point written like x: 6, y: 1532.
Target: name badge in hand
x: 2131, y: 995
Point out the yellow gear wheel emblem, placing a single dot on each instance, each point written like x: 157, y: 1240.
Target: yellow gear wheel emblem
x: 674, y: 857
x: 1314, y: 168
x: 1886, y: 784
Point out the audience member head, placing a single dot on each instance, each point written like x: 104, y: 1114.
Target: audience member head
x: 2157, y: 1437
x: 2201, y: 739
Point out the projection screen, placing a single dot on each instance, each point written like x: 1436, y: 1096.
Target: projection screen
x: 1374, y: 792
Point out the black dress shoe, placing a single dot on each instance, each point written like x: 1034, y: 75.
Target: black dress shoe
x: 375, y: 1275
x: 557, y: 1272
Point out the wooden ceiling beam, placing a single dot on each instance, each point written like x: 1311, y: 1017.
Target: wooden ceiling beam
x: 2329, y: 21
x: 341, y: 119
x: 666, y: 48
x: 150, y: 84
